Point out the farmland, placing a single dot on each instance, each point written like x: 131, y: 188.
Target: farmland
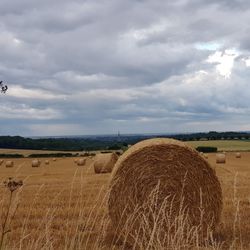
x: 63, y: 206
x: 224, y: 145
x: 27, y: 152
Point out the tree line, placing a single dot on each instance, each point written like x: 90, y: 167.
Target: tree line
x: 107, y: 142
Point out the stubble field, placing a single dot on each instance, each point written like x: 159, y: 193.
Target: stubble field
x: 63, y: 206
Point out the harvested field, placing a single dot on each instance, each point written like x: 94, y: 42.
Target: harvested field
x: 62, y: 206
x: 27, y: 152
x: 224, y: 145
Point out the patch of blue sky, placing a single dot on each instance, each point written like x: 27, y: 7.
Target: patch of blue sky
x: 213, y: 46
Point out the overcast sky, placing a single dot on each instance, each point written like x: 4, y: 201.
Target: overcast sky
x: 96, y: 67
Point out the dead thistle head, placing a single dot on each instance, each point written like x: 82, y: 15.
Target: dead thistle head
x: 12, y: 185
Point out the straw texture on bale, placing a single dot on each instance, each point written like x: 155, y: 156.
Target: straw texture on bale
x: 238, y: 155
x: 47, y: 162
x: 104, y: 163
x: 181, y: 175
x: 221, y: 158
x: 35, y: 163
x: 9, y: 164
x: 81, y: 162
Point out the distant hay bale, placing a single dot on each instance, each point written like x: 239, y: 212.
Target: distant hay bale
x: 75, y: 160
x: 162, y: 176
x: 205, y: 156
x: 81, y: 162
x: 1, y: 162
x: 220, y: 158
x: 47, y: 162
x: 104, y: 163
x: 35, y: 163
x: 9, y: 164
x: 54, y: 159
x: 238, y: 155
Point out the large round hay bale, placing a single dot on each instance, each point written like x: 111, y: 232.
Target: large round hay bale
x: 81, y: 162
x: 47, y: 162
x: 238, y: 155
x: 220, y: 158
x: 35, y: 163
x: 104, y: 163
x: 9, y: 164
x: 157, y: 181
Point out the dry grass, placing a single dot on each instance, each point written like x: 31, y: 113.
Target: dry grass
x: 62, y: 206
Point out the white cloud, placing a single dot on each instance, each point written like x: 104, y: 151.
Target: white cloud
x: 247, y: 62
x: 224, y: 61
x: 38, y: 94
x: 28, y: 113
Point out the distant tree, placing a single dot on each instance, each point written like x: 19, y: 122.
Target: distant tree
x: 114, y: 147
x: 206, y: 149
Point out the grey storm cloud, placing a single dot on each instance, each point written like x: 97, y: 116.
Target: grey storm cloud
x: 91, y: 67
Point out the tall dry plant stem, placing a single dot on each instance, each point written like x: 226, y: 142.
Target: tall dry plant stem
x: 4, y: 225
x: 12, y: 186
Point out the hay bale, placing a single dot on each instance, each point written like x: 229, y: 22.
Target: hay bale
x: 47, y: 162
x: 81, y: 162
x: 1, y: 162
x: 54, y: 159
x: 104, y: 163
x: 176, y: 175
x: 205, y: 156
x: 75, y: 161
x: 9, y: 164
x: 238, y: 155
x: 35, y: 163
x: 220, y: 158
